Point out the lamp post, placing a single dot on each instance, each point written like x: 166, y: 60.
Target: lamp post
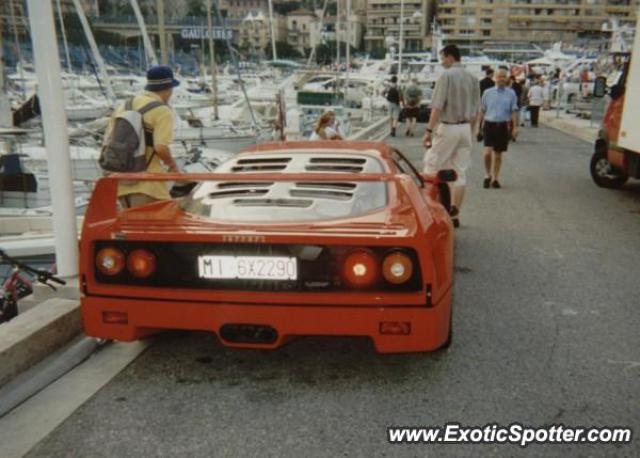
x: 56, y: 138
x: 401, y: 43
x: 214, y: 67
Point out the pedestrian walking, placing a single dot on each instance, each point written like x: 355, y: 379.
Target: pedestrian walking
x: 455, y: 109
x: 524, y: 102
x: 326, y: 128
x: 546, y: 93
x: 412, y: 99
x: 517, y: 88
x: 155, y: 154
x: 395, y: 101
x: 499, y: 111
x: 536, y: 100
x: 487, y: 82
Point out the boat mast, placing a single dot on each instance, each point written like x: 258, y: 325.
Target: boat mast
x: 212, y: 59
x: 348, y: 41
x: 401, y: 42
x: 313, y: 49
x: 273, y: 34
x: 150, y: 55
x: 102, y: 69
x: 338, y: 36
x: 337, y: 47
x: 54, y: 122
x: 64, y: 37
x: 16, y: 38
x: 164, y: 57
x: 5, y: 110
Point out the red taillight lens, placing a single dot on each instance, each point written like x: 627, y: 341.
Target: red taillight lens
x: 360, y: 268
x: 110, y: 261
x: 141, y: 263
x: 397, y: 268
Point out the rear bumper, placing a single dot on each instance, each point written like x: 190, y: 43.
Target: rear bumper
x: 429, y: 327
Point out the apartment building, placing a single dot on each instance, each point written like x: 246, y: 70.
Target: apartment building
x: 302, y: 30
x: 471, y: 22
x: 383, y: 24
x: 254, y: 31
x: 305, y: 30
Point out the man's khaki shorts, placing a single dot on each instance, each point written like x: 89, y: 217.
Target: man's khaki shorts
x: 450, y: 149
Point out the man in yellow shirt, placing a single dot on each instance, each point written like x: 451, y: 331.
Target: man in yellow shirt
x: 158, y: 125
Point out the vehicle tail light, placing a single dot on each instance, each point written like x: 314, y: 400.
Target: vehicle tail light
x: 110, y: 261
x: 141, y: 263
x: 397, y: 268
x: 396, y: 328
x: 360, y: 268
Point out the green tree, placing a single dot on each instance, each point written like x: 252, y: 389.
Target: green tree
x: 286, y: 7
x: 284, y: 50
x: 196, y: 8
x: 326, y: 52
x: 378, y: 52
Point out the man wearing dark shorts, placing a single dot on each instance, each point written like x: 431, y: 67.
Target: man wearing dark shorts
x: 499, y: 111
x: 412, y: 98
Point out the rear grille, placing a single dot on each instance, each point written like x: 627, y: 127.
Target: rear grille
x: 322, y: 185
x: 318, y: 267
x: 287, y: 203
x: 238, y: 192
x: 336, y: 164
x: 243, y: 185
x: 337, y: 160
x: 333, y: 168
x: 259, y: 168
x: 321, y: 194
x: 261, y: 164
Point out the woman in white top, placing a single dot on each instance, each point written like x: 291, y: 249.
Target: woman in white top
x: 325, y: 128
x: 536, y: 99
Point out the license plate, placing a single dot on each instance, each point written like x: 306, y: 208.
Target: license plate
x: 248, y: 267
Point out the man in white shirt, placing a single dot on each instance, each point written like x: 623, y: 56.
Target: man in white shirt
x: 536, y: 100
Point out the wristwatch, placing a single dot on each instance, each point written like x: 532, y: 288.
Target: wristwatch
x: 429, y: 130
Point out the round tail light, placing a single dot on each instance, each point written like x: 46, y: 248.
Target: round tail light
x: 141, y: 263
x: 110, y: 261
x: 360, y: 268
x: 397, y: 268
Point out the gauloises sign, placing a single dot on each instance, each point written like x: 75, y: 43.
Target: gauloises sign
x: 199, y: 33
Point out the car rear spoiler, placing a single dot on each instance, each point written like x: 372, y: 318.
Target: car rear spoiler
x: 103, y: 203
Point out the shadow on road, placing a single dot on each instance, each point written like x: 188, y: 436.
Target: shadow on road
x: 322, y: 362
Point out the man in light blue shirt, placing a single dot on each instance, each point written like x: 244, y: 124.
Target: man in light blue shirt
x: 499, y: 111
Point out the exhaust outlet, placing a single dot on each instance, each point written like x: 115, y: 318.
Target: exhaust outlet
x: 248, y: 333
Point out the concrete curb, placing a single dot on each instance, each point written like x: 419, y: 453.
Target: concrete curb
x: 35, y: 334
x: 587, y: 134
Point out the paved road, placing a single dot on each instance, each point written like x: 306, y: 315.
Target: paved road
x: 547, y: 320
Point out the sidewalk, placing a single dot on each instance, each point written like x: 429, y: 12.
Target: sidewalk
x: 569, y: 124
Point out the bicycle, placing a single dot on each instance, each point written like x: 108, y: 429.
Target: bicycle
x: 16, y: 286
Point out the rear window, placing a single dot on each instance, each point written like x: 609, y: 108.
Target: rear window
x: 288, y: 201
x: 285, y: 201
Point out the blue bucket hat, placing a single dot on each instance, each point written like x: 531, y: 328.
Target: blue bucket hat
x: 159, y: 78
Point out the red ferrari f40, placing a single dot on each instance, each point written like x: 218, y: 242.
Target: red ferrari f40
x: 291, y: 239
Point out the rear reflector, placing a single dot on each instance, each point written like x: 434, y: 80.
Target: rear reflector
x: 397, y: 328
x: 115, y: 317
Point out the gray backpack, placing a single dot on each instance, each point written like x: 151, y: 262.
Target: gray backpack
x: 123, y: 149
